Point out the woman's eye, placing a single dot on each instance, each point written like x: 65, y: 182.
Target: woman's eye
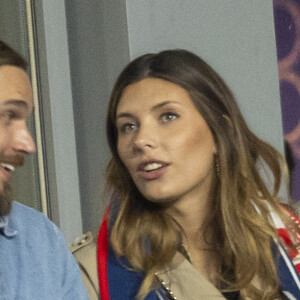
x: 168, y: 117
x: 126, y: 128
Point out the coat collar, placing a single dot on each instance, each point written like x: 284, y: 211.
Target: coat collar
x: 185, y: 282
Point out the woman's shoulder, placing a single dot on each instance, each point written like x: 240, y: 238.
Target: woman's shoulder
x: 84, y: 250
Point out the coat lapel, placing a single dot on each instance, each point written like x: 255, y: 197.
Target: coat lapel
x: 187, y: 283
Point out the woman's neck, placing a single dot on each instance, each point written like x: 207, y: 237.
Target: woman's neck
x: 191, y: 215
x: 200, y: 251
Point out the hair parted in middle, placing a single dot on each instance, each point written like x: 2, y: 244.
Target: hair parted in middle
x: 239, y: 234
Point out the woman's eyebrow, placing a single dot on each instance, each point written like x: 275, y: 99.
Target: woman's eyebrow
x: 124, y: 115
x: 161, y: 104
x: 155, y: 107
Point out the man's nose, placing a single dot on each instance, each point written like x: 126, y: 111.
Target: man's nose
x: 23, y: 141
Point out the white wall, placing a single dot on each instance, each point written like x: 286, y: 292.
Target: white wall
x: 236, y: 37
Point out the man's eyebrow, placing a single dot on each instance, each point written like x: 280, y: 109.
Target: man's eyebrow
x: 20, y: 103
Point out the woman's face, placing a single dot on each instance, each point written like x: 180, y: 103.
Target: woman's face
x: 163, y: 141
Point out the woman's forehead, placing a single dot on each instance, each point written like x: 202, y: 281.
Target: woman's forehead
x: 151, y: 92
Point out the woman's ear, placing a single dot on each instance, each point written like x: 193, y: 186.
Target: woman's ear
x: 228, y: 121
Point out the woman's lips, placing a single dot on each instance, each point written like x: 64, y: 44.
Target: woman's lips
x: 152, y: 169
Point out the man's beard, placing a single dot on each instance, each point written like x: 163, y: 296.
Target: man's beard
x: 5, y: 200
x: 6, y: 194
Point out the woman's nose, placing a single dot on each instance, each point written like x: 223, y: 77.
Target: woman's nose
x: 145, y: 138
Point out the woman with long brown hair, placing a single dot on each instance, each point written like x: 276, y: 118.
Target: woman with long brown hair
x: 190, y: 216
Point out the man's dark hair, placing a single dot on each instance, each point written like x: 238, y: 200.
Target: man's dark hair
x: 9, y: 56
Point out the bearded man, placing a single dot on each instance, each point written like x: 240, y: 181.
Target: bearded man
x: 35, y: 262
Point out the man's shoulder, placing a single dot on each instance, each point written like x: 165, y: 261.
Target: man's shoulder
x: 20, y: 208
x: 35, y: 230
x: 21, y: 211
x: 24, y: 218
x: 40, y: 249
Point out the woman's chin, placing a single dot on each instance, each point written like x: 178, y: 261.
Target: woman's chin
x: 160, y: 199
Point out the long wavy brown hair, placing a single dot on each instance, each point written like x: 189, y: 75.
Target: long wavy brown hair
x: 242, y: 237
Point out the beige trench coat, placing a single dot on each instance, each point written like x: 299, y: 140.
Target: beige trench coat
x: 185, y: 282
